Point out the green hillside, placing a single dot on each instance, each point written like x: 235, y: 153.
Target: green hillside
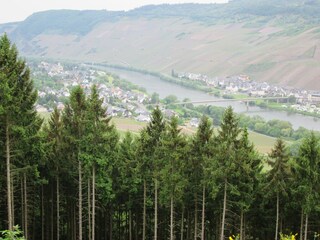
x: 273, y: 41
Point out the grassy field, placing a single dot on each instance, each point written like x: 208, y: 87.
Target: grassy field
x: 262, y: 143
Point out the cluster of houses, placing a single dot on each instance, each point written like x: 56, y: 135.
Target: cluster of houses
x: 117, y: 101
x: 306, y: 101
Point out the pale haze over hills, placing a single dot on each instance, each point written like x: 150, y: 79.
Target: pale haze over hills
x: 273, y: 41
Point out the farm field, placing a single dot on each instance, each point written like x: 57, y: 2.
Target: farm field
x: 262, y: 142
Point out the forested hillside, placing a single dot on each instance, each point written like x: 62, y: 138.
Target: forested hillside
x: 73, y: 177
x: 272, y: 41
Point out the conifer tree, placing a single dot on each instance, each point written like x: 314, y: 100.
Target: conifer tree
x: 226, y: 156
x: 55, y: 138
x: 279, y: 175
x: 99, y: 142
x: 308, y: 176
x: 172, y: 153
x: 202, y: 156
x: 129, y: 177
x: 246, y: 177
x: 17, y: 114
x: 148, y: 143
x: 74, y: 121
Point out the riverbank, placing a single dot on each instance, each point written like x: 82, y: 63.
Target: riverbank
x: 217, y: 92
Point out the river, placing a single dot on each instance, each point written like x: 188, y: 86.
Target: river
x: 155, y: 84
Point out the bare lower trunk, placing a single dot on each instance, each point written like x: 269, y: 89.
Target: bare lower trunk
x: 93, y: 201
x: 196, y: 217
x: 111, y: 226
x: 203, y: 212
x: 301, y: 225
x: 241, y: 225
x: 12, y: 200
x: 155, y: 209
x: 89, y: 209
x: 80, y: 200
x: 51, y: 216
x: 58, y: 207
x: 171, y: 219
x: 144, y: 209
x: 22, y: 205
x: 277, y: 220
x: 9, y: 193
x: 182, y: 225
x: 224, y: 210
x: 42, y: 214
x: 25, y: 206
x: 130, y: 224
x: 306, y: 228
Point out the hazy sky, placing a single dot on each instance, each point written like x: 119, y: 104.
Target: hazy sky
x: 17, y: 10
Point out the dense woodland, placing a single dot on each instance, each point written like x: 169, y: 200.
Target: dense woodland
x: 75, y: 177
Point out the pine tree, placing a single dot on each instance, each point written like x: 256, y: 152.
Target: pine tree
x: 55, y: 139
x: 17, y: 116
x: 129, y: 177
x: 226, y: 156
x: 279, y: 175
x: 308, y: 176
x: 246, y: 177
x: 74, y: 121
x: 202, y: 156
x: 98, y: 143
x: 172, y: 153
x: 149, y: 164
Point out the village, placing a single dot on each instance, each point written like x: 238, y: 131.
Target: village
x: 300, y: 100
x: 118, y: 102
x: 131, y: 103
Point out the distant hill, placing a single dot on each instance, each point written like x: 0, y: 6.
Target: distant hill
x: 271, y: 40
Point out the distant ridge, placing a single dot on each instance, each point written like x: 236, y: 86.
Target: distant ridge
x: 270, y: 40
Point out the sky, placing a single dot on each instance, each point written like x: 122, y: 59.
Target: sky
x: 18, y: 10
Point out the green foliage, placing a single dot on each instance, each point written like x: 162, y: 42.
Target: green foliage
x: 308, y: 175
x: 15, y: 234
x: 287, y: 237
x: 280, y: 172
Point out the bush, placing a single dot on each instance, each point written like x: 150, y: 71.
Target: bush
x: 15, y: 234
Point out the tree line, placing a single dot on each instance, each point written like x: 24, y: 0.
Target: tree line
x: 74, y: 177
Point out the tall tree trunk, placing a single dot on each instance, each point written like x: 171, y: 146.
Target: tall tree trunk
x: 42, y: 214
x: 22, y: 205
x: 130, y: 224
x: 277, y: 218
x: 12, y: 200
x: 196, y: 217
x: 80, y: 200
x: 25, y: 206
x: 306, y: 228
x: 301, y: 225
x: 9, y: 193
x: 58, y: 207
x: 52, y: 213
x: 89, y: 209
x: 203, y: 212
x: 182, y: 225
x: 171, y: 218
x: 144, y: 209
x: 224, y: 209
x: 93, y: 200
x: 241, y: 225
x: 155, y: 209
x: 111, y: 225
